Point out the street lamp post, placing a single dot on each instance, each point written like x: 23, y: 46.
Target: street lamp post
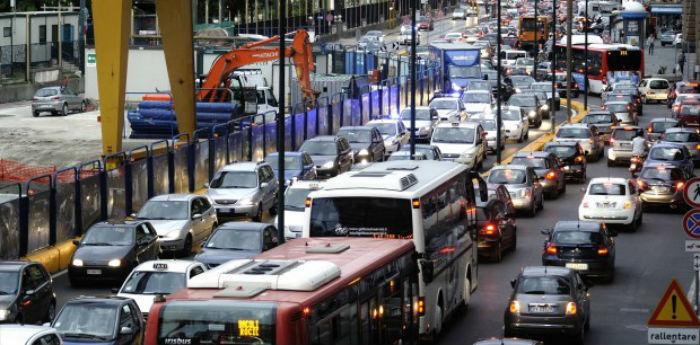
x: 282, y: 22
x: 569, y: 16
x: 498, y: 83
x: 414, y: 8
x: 536, y: 47
x: 553, y: 64
x: 585, y: 54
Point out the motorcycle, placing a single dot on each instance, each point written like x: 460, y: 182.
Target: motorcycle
x: 636, y: 163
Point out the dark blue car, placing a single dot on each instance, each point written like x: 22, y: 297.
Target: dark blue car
x: 672, y: 154
x: 108, y: 321
x: 297, y: 165
x: 237, y: 240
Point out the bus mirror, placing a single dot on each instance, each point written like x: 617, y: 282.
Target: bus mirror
x: 427, y: 269
x: 483, y: 188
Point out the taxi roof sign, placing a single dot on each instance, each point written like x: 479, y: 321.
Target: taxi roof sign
x: 673, y: 309
x: 160, y: 266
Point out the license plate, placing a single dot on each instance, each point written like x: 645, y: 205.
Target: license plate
x: 94, y: 272
x: 541, y: 309
x: 661, y: 189
x: 577, y: 266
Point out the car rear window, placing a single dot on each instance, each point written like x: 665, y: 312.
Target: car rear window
x: 46, y: 92
x: 607, y: 189
x: 682, y: 137
x: 658, y: 84
x: 531, y: 162
x: 659, y: 127
x: 577, y: 238
x: 666, y: 154
x: 625, y: 135
x: 661, y: 174
x: 573, y: 133
x: 544, y: 285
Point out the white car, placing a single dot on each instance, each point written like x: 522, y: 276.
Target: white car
x: 461, y: 142
x: 393, y: 133
x: 447, y: 107
x: 158, y: 277
x: 612, y: 200
x: 477, y: 102
x: 459, y: 14
x: 453, y: 37
x: 654, y: 89
x: 14, y: 334
x: 294, y: 207
x: 678, y: 40
x: 515, y: 122
x: 181, y: 220
x: 426, y: 118
x: 489, y: 126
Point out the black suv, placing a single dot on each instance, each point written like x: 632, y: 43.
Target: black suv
x: 366, y: 142
x: 332, y: 155
x: 26, y: 293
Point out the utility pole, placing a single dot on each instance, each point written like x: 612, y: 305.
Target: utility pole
x: 414, y: 8
x: 60, y: 38
x: 536, y: 46
x: 585, y: 54
x: 82, y: 19
x: 282, y: 22
x: 554, y: 64
x: 498, y: 83
x: 569, y: 19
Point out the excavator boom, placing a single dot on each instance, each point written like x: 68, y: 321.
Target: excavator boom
x: 299, y: 51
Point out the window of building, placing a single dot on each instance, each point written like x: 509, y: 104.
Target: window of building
x: 42, y: 33
x: 7, y: 31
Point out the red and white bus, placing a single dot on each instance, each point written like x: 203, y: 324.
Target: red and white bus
x: 608, y: 62
x: 307, y: 291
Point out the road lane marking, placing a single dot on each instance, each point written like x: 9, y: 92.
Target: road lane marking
x: 635, y: 310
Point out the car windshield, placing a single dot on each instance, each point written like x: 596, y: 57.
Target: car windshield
x: 661, y: 126
x: 658, y: 84
x: 606, y: 189
x: 444, y: 104
x: 479, y: 85
x: 356, y: 135
x: 235, y: 179
x: 526, y: 62
x: 290, y: 162
x: 510, y: 115
x: 597, y: 118
x: 294, y: 198
x: 666, y: 154
x: 573, y: 133
x: 8, y: 282
x: 421, y: 114
x: 457, y: 135
x: 108, y: 236
x: 86, y: 320
x: 235, y: 239
x: 617, y: 108
x: 507, y: 176
x: 151, y: 283
x: 319, y: 148
x: 46, y: 92
x: 690, y: 110
x: 577, y: 238
x: 385, y: 128
x: 476, y: 97
x: 625, y: 135
x: 543, y: 285
x: 361, y: 216
x: 561, y: 151
x: 523, y: 101
x: 542, y: 87
x: 536, y: 163
x: 682, y: 137
x: 164, y: 210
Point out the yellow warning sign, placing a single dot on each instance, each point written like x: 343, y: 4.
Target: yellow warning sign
x: 673, y: 309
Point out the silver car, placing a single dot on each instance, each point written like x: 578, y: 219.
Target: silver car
x: 686, y: 136
x: 180, y: 220
x: 57, y: 100
x: 426, y: 119
x: 523, y: 186
x: 587, y: 137
x: 246, y: 188
x: 621, y: 144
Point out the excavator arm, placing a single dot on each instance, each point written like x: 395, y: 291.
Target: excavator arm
x: 224, y: 65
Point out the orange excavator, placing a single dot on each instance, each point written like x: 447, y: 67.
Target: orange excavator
x: 299, y: 51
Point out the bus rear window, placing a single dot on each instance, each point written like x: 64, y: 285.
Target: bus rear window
x: 624, y: 60
x: 361, y: 216
x: 216, y: 323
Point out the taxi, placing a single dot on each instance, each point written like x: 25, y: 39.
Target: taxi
x: 158, y: 277
x: 461, y: 142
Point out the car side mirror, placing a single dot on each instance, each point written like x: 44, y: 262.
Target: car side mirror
x: 264, y: 185
x: 546, y: 232
x: 29, y: 293
x: 512, y: 283
x: 76, y: 243
x: 114, y: 290
x: 206, y: 185
x: 126, y: 331
x: 197, y: 216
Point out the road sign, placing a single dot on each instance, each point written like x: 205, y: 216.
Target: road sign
x: 674, y: 310
x: 673, y: 336
x: 691, y: 223
x: 692, y: 246
x: 691, y: 193
x: 91, y: 60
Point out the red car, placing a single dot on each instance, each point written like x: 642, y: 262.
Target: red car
x: 425, y: 23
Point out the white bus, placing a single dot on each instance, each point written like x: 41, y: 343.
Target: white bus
x: 432, y: 202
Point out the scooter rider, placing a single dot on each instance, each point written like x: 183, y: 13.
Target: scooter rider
x: 639, y: 151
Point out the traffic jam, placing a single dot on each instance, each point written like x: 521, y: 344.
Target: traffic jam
x: 392, y: 228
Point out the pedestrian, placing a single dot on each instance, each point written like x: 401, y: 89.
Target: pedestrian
x: 651, y: 44
x: 681, y: 62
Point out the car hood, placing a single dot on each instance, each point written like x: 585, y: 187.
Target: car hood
x: 98, y: 254
x: 6, y: 301
x: 359, y: 146
x: 511, y: 123
x: 289, y: 173
x: 446, y: 113
x: 164, y: 227
x: 477, y: 107
x: 455, y: 148
x: 230, y: 193
x: 218, y: 256
x: 321, y: 160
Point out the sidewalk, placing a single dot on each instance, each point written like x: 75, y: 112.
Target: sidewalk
x: 663, y: 57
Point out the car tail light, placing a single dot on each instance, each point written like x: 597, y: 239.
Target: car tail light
x: 307, y: 202
x: 697, y: 147
x: 488, y: 230
x: 579, y: 159
x: 551, y: 249
x: 571, y: 308
x: 680, y: 185
x: 551, y: 175
x: 627, y: 205
x: 649, y: 129
x: 602, y: 251
x: 420, y: 306
x: 584, y: 204
x: 55, y: 97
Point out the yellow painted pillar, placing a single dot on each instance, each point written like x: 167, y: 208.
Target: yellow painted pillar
x: 111, y: 21
x: 175, y: 20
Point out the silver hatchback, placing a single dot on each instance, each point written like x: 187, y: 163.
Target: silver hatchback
x: 686, y: 136
x: 57, y: 100
x: 246, y: 188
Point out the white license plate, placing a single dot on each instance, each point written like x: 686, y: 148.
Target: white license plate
x: 541, y: 309
x: 577, y: 266
x: 94, y: 272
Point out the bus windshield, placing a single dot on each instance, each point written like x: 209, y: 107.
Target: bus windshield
x: 361, y: 216
x: 217, y: 322
x: 624, y: 60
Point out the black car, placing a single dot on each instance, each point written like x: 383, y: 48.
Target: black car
x: 366, y: 142
x: 332, y: 155
x: 572, y: 156
x: 110, y: 250
x: 431, y: 152
x: 585, y: 246
x: 497, y: 230
x: 111, y: 320
x: 548, y: 300
x: 26, y: 293
x: 533, y: 105
x: 548, y: 169
x: 237, y: 240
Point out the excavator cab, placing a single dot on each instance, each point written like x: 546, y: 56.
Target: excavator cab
x: 250, y: 100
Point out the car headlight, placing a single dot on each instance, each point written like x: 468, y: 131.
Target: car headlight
x: 173, y: 234
x: 4, y: 314
x: 114, y: 263
x: 524, y: 193
x: 328, y: 165
x: 456, y: 86
x: 531, y: 113
x: 362, y: 152
x: 77, y: 263
x: 545, y: 107
x: 245, y: 201
x: 517, y: 90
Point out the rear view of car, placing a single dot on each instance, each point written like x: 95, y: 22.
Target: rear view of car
x: 621, y: 144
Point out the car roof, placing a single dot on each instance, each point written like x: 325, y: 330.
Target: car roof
x: 173, y: 197
x: 681, y: 130
x: 287, y: 153
x: 663, y: 145
x: 511, y: 167
x: 663, y: 119
x: 478, y: 91
x: 546, y: 271
x: 14, y: 265
x: 458, y: 124
x: 173, y: 265
x: 627, y: 128
x: 576, y: 225
x: 617, y: 102
x: 110, y: 300
x: 561, y: 143
x: 535, y: 154
x: 242, y: 166
x: 507, y: 341
x: 598, y: 112
x: 20, y: 334
x: 118, y: 223
x: 377, y: 121
x: 355, y: 128
x: 246, y: 226
x: 324, y: 138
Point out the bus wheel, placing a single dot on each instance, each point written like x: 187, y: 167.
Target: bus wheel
x: 467, y: 294
x: 438, y: 323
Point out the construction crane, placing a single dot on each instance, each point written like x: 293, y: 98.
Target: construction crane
x: 299, y: 51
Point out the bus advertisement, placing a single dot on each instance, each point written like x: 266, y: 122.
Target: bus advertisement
x: 431, y: 202
x: 608, y: 63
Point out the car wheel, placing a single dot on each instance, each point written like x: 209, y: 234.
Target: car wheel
x: 258, y: 215
x: 498, y: 252
x: 580, y: 338
x: 83, y: 106
x: 187, y: 247
x: 533, y: 210
x: 587, y: 325
x: 35, y: 114
x: 611, y: 163
x: 64, y: 110
x: 51, y: 312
